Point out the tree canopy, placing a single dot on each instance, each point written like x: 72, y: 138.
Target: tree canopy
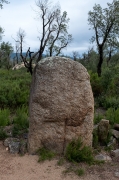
x: 1, y: 3
x: 5, y: 50
x: 105, y: 23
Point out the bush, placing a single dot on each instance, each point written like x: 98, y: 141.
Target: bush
x: 21, y: 118
x: 95, y: 138
x: 14, y: 88
x: 45, y: 154
x: 80, y: 172
x: 3, y: 134
x: 106, y: 78
x: 97, y: 118
x: 96, y: 84
x: 113, y: 115
x: 76, y: 152
x: 4, y: 117
x: 20, y: 121
x: 111, y: 102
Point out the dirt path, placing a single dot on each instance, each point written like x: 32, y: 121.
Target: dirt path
x: 15, y: 167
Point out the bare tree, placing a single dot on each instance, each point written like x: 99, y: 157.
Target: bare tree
x: 54, y: 29
x: 59, y: 39
x: 27, y: 58
x: 16, y: 53
x: 54, y: 36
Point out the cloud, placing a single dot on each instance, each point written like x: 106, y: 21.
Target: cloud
x: 20, y: 14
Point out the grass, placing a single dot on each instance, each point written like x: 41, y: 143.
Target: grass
x: 76, y: 152
x: 68, y: 170
x: 80, y: 172
x: 60, y: 162
x: 73, y: 169
x: 14, y: 95
x: 45, y: 154
x: 4, y: 117
x: 113, y: 115
x: 3, y: 134
x: 97, y: 118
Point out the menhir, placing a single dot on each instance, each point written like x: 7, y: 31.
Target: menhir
x: 61, y: 105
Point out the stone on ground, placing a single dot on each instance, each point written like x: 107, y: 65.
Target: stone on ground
x: 61, y: 105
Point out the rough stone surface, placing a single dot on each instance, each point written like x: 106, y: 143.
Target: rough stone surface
x: 14, y: 147
x: 102, y: 157
x: 61, y: 105
x: 103, y: 130
x: 115, y: 153
x: 9, y: 140
x: 23, y: 147
x: 115, y: 133
x: 113, y: 142
x: 19, y: 66
x: 13, y: 144
x: 117, y: 174
x: 116, y: 127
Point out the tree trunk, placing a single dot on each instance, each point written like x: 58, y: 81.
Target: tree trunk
x: 99, y: 66
x: 109, y: 58
x: 30, y: 70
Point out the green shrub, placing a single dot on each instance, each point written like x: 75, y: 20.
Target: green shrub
x: 106, y: 78
x: 3, y: 134
x: 111, y: 102
x: 20, y: 122
x: 21, y: 118
x: 97, y: 118
x: 99, y: 100
x: 4, y: 117
x: 14, y: 88
x: 60, y: 162
x: 113, y: 115
x: 45, y: 154
x: 80, y: 172
x: 96, y: 84
x: 76, y: 152
x: 95, y: 138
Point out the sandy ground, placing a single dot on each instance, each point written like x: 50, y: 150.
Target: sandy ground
x: 16, y: 167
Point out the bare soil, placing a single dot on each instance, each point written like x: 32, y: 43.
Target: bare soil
x: 16, y: 167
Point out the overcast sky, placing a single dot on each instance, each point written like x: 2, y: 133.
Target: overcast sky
x: 20, y: 14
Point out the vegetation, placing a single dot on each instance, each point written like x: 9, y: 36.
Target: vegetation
x: 80, y: 172
x: 1, y: 3
x: 14, y: 97
x: 6, y: 49
x: 105, y: 24
x: 3, y: 134
x: 113, y: 115
x: 45, y: 154
x: 76, y: 152
x: 102, y: 65
x: 14, y: 88
x: 54, y: 37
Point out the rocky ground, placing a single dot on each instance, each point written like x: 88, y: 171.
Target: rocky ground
x: 16, y: 167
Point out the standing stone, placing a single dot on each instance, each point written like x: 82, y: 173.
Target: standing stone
x: 103, y: 130
x: 61, y: 105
